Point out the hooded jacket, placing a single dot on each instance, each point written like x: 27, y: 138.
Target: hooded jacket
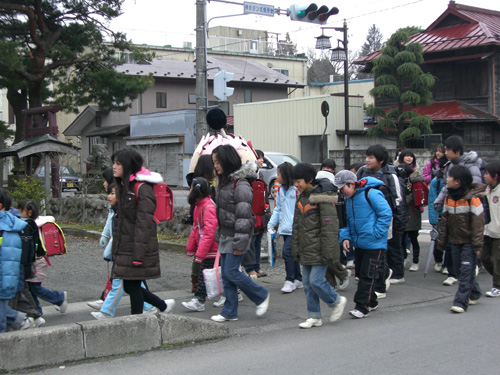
x: 316, y: 227
x: 10, y: 254
x: 463, y: 220
x: 234, y: 208
x: 492, y: 229
x: 284, y: 210
x: 134, y: 234
x: 367, y: 224
x: 201, y: 243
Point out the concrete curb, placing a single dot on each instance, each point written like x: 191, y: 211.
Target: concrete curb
x: 101, y: 338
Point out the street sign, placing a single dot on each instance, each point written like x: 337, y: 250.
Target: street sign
x: 255, y: 8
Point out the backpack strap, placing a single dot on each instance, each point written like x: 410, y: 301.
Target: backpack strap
x: 367, y: 197
x: 136, y: 190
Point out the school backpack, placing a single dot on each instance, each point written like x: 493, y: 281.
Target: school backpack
x: 52, y: 238
x: 387, y: 195
x: 420, y: 194
x: 260, y: 202
x: 164, y: 201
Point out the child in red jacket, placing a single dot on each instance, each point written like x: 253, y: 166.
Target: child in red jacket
x: 201, y: 242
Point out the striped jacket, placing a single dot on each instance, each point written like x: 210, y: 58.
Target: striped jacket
x: 463, y: 220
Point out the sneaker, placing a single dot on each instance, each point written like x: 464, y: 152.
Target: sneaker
x: 253, y: 275
x: 311, y: 322
x: 64, y: 305
x: 477, y: 270
x: 170, y: 306
x: 406, y: 262
x: 338, y: 309
x: 153, y: 310
x: 39, y: 322
x: 194, y: 305
x: 27, y: 324
x: 298, y: 284
x: 388, y: 280
x: 240, y: 297
x: 219, y: 318
x: 262, y: 308
x: 372, y: 308
x: 494, y: 292
x: 96, y: 304
x: 457, y: 309
x: 221, y: 301
x: 450, y: 281
x: 344, y: 283
x: 380, y: 295
x: 288, y: 287
x: 444, y: 271
x: 414, y: 267
x: 350, y: 264
x: 438, y: 267
x: 397, y: 281
x: 473, y: 302
x: 99, y: 315
x: 357, y: 314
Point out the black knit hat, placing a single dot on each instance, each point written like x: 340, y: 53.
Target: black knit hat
x: 216, y: 119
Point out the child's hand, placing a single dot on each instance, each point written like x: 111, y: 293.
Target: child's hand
x: 103, y: 241
x: 345, y: 245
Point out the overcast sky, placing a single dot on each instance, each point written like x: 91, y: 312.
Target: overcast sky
x: 162, y: 22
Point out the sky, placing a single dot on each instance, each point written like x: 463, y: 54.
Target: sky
x: 169, y: 22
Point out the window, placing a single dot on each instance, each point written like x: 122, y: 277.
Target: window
x: 282, y: 71
x: 161, y: 100
x: 116, y: 146
x: 248, y: 96
x: 92, y: 141
x: 309, y: 146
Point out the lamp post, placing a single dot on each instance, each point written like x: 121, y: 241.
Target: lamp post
x: 340, y: 54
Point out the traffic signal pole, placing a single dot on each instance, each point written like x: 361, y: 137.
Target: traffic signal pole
x: 201, y: 127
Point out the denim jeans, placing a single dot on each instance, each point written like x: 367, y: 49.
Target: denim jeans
x: 292, y: 268
x: 114, y: 296
x: 465, y: 261
x: 51, y: 296
x: 233, y: 279
x: 9, y: 317
x: 316, y: 287
x: 256, y: 246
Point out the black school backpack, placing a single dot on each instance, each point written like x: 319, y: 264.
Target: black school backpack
x: 387, y: 195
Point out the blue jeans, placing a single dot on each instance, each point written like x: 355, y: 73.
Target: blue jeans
x: 114, y: 296
x: 9, y: 317
x: 257, y: 243
x: 233, y: 279
x: 465, y: 261
x: 51, y: 296
x: 316, y: 287
x: 292, y: 268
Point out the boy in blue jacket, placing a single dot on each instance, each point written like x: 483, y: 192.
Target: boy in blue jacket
x: 368, y: 219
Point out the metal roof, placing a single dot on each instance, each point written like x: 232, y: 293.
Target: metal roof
x: 244, y: 71
x: 459, y: 27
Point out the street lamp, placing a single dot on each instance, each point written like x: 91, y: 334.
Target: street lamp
x: 340, y: 54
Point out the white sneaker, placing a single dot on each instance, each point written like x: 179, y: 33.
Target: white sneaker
x: 444, y: 271
x: 388, y: 280
x: 153, y: 310
x: 414, y: 267
x: 397, y: 281
x: 494, y: 292
x: 298, y: 284
x: 64, y: 305
x: 27, y: 324
x: 311, y: 322
x: 438, y: 267
x: 39, y: 322
x: 350, y: 264
x: 457, y: 309
x: 96, y: 304
x: 240, y: 297
x: 220, y: 302
x: 99, y: 315
x: 357, y: 314
x: 262, y: 308
x: 219, y: 318
x: 344, y: 283
x: 338, y: 309
x: 288, y: 287
x: 406, y: 262
x: 380, y: 295
x: 450, y: 281
x: 194, y: 305
x: 170, y: 306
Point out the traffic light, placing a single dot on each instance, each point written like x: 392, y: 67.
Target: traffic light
x: 311, y: 13
x: 221, y: 91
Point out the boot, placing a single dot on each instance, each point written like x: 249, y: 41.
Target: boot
x: 194, y: 282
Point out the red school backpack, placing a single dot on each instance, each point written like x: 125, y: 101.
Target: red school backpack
x: 164, y: 201
x: 52, y: 239
x: 260, y: 203
x: 420, y: 193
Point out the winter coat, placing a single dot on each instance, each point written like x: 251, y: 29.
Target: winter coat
x: 201, y: 243
x: 429, y: 170
x: 434, y: 189
x: 284, y: 210
x: 134, y: 234
x: 234, y: 208
x: 367, y: 222
x: 315, y: 228
x: 470, y: 160
x: 463, y: 220
x: 10, y: 254
x: 389, y: 176
x: 492, y: 229
x: 413, y: 214
x: 107, y: 233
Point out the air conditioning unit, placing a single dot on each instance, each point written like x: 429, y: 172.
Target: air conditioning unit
x: 254, y: 46
x: 187, y: 45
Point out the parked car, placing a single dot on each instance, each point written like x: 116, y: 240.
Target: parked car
x: 270, y: 168
x: 69, y: 179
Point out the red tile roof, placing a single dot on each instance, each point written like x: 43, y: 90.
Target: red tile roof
x: 459, y: 27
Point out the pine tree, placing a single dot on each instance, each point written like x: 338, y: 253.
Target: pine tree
x: 373, y: 41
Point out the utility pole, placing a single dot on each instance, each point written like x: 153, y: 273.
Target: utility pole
x: 347, y: 148
x: 201, y: 70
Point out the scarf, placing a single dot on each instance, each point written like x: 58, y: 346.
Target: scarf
x: 457, y: 193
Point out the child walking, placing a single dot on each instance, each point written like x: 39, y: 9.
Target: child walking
x: 201, y: 242
x: 315, y: 244
x: 368, y: 219
x: 462, y: 225
x: 490, y: 256
x: 29, y: 209
x: 283, y: 215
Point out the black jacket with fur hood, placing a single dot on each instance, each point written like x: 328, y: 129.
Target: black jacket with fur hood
x: 234, y: 207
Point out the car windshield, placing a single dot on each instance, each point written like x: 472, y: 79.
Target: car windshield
x: 281, y: 158
x: 67, y: 171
